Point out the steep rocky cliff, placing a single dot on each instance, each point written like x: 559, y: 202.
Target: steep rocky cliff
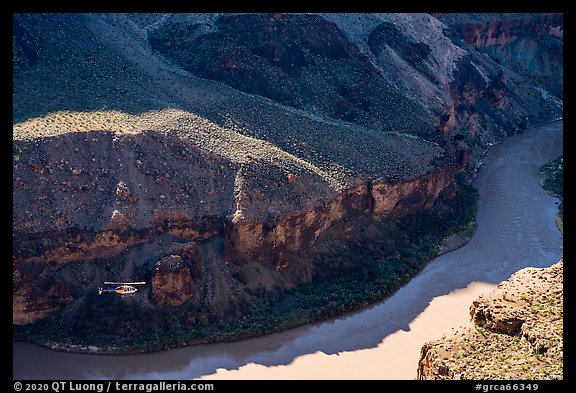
x: 517, y: 333
x: 528, y: 44
x: 219, y: 156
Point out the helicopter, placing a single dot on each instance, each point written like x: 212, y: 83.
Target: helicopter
x: 123, y: 288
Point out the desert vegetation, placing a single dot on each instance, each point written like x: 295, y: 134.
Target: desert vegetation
x: 517, y: 333
x: 346, y: 275
x: 132, y: 132
x: 553, y: 182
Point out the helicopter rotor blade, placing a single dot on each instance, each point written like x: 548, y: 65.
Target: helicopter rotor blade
x: 127, y: 283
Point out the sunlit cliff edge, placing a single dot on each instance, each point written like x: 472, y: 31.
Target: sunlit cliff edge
x: 517, y: 333
x: 247, y: 155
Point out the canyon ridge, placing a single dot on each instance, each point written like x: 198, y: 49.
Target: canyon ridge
x: 258, y: 171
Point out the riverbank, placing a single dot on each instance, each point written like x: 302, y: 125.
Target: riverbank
x: 517, y: 333
x: 515, y: 229
x: 348, y: 276
x: 553, y: 182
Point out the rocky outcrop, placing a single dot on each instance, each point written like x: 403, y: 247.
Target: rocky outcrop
x: 239, y: 143
x: 172, y: 282
x: 395, y: 198
x: 304, y: 61
x: 486, y: 30
x: 122, y: 192
x: 517, y: 333
x: 528, y: 44
x: 38, y: 295
x: 277, y: 241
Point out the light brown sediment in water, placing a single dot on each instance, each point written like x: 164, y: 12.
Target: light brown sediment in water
x: 441, y: 315
x: 515, y: 230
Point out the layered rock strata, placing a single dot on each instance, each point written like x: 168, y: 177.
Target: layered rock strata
x: 237, y: 142
x: 517, y: 333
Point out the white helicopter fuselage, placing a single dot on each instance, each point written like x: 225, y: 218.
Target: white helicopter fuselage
x: 122, y: 289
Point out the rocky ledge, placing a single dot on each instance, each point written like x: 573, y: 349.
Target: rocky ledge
x: 227, y: 160
x: 517, y: 333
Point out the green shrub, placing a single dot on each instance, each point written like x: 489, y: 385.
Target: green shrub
x: 554, y: 180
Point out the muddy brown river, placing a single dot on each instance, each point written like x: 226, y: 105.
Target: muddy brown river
x: 516, y: 229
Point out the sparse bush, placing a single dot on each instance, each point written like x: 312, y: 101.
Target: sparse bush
x: 553, y: 181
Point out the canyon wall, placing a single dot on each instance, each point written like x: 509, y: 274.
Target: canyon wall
x: 530, y: 45
x: 218, y: 152
x: 122, y: 203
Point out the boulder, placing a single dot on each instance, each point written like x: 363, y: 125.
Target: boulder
x: 172, y: 283
x: 516, y: 332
